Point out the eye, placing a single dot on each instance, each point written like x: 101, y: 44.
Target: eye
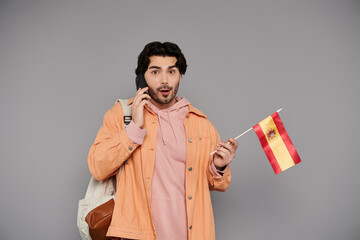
x: 172, y: 71
x: 155, y: 72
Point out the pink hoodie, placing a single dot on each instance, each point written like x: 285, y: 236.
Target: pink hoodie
x: 168, y: 182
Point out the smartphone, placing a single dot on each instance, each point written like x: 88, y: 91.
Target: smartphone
x: 140, y: 82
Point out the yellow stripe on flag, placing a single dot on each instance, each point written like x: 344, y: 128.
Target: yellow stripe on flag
x: 277, y: 145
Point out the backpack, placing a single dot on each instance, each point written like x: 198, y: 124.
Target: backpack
x: 95, y: 210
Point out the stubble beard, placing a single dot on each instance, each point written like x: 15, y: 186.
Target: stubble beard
x: 168, y: 99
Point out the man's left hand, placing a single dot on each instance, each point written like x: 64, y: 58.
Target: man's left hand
x: 225, y: 153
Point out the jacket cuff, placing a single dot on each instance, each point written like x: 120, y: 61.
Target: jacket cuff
x: 135, y: 133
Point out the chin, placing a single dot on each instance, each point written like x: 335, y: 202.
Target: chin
x: 167, y: 100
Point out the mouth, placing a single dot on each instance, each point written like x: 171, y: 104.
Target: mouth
x: 165, y: 92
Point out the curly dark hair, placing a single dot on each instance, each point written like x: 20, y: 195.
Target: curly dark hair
x: 166, y: 49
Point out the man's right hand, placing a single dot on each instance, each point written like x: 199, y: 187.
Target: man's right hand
x: 137, y: 108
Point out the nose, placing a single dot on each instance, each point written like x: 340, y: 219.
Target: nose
x: 164, y: 78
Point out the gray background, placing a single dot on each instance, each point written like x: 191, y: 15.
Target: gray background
x: 63, y: 64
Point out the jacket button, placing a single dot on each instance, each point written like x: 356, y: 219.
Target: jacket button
x: 190, y: 140
x: 190, y: 227
x: 190, y: 168
x: 187, y: 115
x: 190, y: 197
x: 130, y: 148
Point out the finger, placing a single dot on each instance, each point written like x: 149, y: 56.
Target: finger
x: 223, y: 151
x: 144, y: 102
x: 141, y: 91
x: 225, y: 155
x: 221, y: 154
x: 231, y: 145
x: 144, y: 97
x: 233, y: 142
x: 220, y: 144
x: 227, y: 146
x: 140, y: 96
x: 136, y: 96
x: 224, y: 158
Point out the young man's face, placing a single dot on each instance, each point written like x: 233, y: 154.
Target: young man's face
x: 163, y: 79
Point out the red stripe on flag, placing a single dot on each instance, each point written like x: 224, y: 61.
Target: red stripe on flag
x: 265, y: 145
x: 285, y: 137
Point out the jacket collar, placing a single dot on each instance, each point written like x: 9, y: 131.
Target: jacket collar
x: 196, y: 111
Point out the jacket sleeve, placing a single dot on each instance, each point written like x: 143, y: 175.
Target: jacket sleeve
x: 216, y: 182
x: 112, y: 146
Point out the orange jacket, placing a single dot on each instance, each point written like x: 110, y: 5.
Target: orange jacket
x: 132, y: 217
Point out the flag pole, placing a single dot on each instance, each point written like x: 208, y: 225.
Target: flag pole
x: 245, y: 132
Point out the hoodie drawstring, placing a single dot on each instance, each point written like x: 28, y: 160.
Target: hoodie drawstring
x: 174, y: 110
x: 172, y: 127
x: 162, y: 133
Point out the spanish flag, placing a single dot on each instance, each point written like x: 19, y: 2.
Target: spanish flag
x: 276, y: 143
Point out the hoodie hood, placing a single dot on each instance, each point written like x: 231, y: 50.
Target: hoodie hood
x: 170, y: 117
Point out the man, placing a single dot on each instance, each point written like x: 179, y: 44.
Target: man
x: 163, y: 190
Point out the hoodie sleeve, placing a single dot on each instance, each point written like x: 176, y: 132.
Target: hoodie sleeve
x: 219, y: 182
x: 112, y: 146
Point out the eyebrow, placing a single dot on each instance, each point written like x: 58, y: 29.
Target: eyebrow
x: 157, y: 67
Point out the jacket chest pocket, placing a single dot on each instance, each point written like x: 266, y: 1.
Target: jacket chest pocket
x: 199, y: 150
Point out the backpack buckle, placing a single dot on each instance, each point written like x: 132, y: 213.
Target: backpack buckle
x: 127, y: 120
